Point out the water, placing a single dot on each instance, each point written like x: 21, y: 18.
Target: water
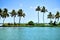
x: 27, y: 33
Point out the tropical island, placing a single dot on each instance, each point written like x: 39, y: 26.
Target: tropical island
x: 4, y: 14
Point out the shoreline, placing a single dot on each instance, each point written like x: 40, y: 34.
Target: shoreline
x: 27, y: 25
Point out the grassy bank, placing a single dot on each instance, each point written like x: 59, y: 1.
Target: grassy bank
x: 27, y: 25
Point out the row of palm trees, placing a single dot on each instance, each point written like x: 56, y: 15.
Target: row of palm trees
x: 50, y: 15
x: 4, y: 14
x: 43, y: 10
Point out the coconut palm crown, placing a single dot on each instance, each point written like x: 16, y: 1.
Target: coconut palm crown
x: 0, y: 12
x: 57, y: 15
x: 50, y: 16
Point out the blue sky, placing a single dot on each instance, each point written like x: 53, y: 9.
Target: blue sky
x: 28, y: 7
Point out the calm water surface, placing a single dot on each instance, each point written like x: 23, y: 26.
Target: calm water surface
x: 27, y: 33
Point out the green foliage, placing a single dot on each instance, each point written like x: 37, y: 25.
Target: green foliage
x: 30, y: 23
x: 20, y: 12
x: 38, y: 8
x: 13, y: 13
x: 43, y: 9
x: 0, y: 10
x: 57, y: 15
x: 50, y: 15
x: 5, y: 13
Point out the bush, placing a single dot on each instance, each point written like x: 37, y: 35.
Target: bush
x: 59, y: 23
x: 4, y: 25
x: 30, y: 23
x: 9, y: 24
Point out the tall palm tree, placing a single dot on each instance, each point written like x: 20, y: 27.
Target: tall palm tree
x: 13, y: 14
x: 20, y: 14
x: 57, y: 16
x: 5, y: 14
x: 50, y: 16
x: 38, y: 9
x: 43, y: 10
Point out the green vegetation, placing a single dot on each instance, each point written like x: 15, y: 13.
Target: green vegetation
x: 4, y: 14
x: 30, y: 25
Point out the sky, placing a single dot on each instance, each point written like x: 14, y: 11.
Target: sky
x: 28, y: 7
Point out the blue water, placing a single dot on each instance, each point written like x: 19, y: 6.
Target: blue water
x: 27, y: 33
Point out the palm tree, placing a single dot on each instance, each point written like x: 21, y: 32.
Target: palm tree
x: 50, y: 16
x: 0, y: 13
x: 20, y: 14
x: 57, y: 16
x: 38, y: 9
x: 13, y: 14
x: 5, y: 14
x: 43, y: 10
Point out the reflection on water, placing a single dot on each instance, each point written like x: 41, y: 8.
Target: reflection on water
x: 27, y: 33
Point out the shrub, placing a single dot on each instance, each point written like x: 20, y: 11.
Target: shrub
x: 30, y: 23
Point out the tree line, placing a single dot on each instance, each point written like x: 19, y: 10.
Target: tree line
x: 4, y: 14
x: 49, y: 16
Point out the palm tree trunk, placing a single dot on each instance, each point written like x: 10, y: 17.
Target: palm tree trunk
x: 14, y: 20
x: 58, y: 20
x: 55, y: 19
x: 38, y: 17
x: 43, y: 18
x: 50, y: 19
x: 19, y: 19
x: 3, y: 21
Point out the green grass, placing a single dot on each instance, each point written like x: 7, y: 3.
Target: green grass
x: 26, y: 25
